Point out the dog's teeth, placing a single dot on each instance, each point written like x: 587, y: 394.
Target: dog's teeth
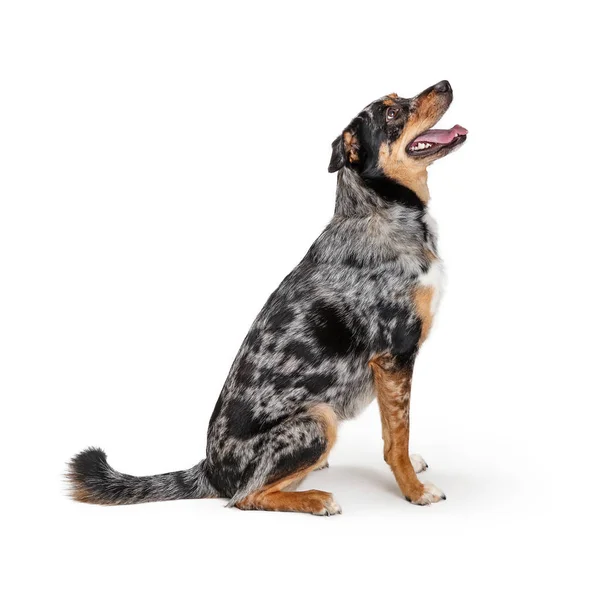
x: 422, y: 146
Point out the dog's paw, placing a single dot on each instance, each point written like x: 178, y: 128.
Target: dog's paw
x: 328, y: 507
x: 418, y: 463
x: 430, y: 494
x: 323, y: 466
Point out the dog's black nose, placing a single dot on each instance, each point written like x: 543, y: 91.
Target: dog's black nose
x: 443, y: 87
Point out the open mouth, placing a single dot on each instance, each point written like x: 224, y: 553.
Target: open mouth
x: 435, y: 140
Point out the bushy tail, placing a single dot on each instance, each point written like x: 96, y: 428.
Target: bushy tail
x: 93, y: 480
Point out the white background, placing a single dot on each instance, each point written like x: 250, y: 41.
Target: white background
x: 164, y: 165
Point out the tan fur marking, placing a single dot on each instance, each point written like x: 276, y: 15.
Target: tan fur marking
x: 429, y: 255
x: 313, y: 501
x: 405, y: 171
x: 275, y: 497
x: 78, y: 492
x: 390, y: 99
x: 393, y: 395
x: 80, y: 495
x: 394, y: 160
x: 422, y: 297
x: 351, y: 145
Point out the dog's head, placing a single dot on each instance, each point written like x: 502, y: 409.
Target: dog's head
x: 392, y: 138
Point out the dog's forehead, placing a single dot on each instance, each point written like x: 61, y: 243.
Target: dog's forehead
x: 377, y: 107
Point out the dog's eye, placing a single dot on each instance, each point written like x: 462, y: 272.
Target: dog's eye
x: 391, y: 113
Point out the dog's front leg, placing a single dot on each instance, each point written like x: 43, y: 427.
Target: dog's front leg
x: 393, y: 384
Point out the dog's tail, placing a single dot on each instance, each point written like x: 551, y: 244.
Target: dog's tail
x: 93, y: 480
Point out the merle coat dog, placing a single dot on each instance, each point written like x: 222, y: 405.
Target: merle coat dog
x: 343, y: 327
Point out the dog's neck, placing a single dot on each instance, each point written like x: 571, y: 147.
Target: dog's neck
x: 376, y: 221
x: 416, y: 181
x: 359, y: 194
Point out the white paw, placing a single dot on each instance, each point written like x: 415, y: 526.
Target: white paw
x: 431, y: 494
x: 418, y: 463
x: 331, y: 507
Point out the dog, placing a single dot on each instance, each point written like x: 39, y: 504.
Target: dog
x: 343, y: 327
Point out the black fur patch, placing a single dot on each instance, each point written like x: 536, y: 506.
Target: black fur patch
x: 300, y: 350
x: 227, y: 476
x: 398, y: 334
x: 245, y: 369
x: 242, y: 424
x: 299, y: 458
x: 393, y: 192
x: 253, y: 339
x: 91, y: 464
x: 315, y: 384
x: 329, y: 329
x: 280, y: 318
x: 240, y: 420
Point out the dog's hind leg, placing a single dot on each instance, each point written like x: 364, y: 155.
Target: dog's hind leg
x: 294, y: 449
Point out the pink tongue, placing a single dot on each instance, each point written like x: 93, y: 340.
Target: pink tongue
x: 441, y: 136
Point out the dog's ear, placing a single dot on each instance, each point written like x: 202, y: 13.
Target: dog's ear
x: 344, y: 150
x: 338, y: 155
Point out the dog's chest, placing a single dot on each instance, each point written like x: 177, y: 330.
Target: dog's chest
x: 431, y: 284
x: 426, y: 296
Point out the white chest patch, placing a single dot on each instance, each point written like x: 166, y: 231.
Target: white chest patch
x: 434, y: 278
